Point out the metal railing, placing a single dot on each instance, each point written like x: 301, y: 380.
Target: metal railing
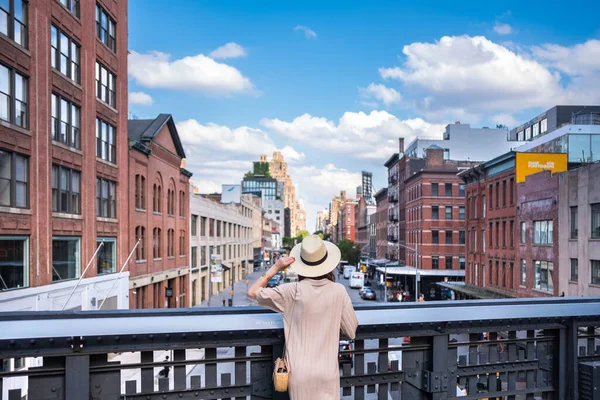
x: 510, y: 349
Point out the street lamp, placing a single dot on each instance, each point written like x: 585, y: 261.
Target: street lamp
x: 416, y: 250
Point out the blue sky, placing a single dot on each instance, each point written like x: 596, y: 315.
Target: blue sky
x: 334, y: 84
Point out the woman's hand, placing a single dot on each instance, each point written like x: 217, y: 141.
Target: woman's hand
x: 284, y: 262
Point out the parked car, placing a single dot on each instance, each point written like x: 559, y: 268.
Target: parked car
x: 274, y: 281
x: 368, y: 294
x: 361, y: 291
x: 344, y: 358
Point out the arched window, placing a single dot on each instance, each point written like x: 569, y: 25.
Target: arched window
x: 140, y: 251
x: 140, y: 192
x: 156, y: 243
x: 182, y: 242
x: 170, y: 243
x: 181, y: 203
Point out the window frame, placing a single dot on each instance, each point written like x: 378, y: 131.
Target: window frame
x: 448, y: 239
x: 111, y: 202
x: 70, y: 193
x: 437, y: 211
x: 72, y: 6
x: 73, y: 131
x: 573, y: 269
x: 26, y: 265
x: 435, y: 237
x: 461, y: 213
x: 77, y: 260
x: 110, y: 41
x: 523, y: 238
x: 448, y: 188
x: 73, y: 61
x: 194, y: 225
x: 113, y: 241
x: 436, y: 192
x: 13, y: 182
x: 11, y: 97
x: 461, y: 237
x: 523, y: 273
x: 156, y: 243
x: 12, y: 21
x: 140, y: 192
x: 446, y: 259
x: 539, y: 266
x: 595, y: 220
x: 140, y: 250
x: 543, y: 232
x: 103, y: 145
x: 595, y: 278
x: 110, y: 97
x: 446, y: 209
x: 461, y: 190
x: 573, y: 223
x: 435, y: 265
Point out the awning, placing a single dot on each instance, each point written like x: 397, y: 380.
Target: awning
x: 422, y: 272
x: 473, y: 291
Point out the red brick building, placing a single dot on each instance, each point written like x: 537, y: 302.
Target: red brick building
x: 158, y: 212
x: 435, y: 219
x: 63, y: 147
x: 382, y: 223
x: 346, y: 219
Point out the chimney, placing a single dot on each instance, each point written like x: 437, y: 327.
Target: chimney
x: 401, y: 146
x: 457, y: 123
x: 434, y: 156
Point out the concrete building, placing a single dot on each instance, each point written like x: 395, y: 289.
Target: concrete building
x: 257, y: 230
x: 461, y: 142
x: 287, y: 229
x: 275, y: 211
x: 372, y: 228
x: 579, y: 231
x: 219, y: 229
x: 231, y: 193
x: 278, y: 170
x: 435, y: 221
x: 300, y: 218
x: 158, y: 215
x: 52, y: 218
x: 334, y: 211
x: 381, y: 227
x: 321, y: 221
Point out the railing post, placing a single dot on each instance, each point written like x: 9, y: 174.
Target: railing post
x: 77, y: 377
x: 440, y: 379
x: 572, y: 350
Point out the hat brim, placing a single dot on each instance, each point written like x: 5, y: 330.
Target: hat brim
x: 313, y: 271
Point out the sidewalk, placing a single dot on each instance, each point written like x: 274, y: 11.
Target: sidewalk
x: 239, y: 295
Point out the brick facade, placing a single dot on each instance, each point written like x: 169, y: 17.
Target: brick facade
x: 382, y: 223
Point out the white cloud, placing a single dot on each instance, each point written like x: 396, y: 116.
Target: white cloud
x: 140, y: 98
x: 359, y: 135
x: 503, y: 29
x: 580, y: 59
x: 505, y: 119
x: 229, y: 50
x: 291, y: 155
x: 309, y: 33
x: 387, y: 96
x: 202, y: 73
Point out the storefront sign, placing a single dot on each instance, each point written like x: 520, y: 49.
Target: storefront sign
x: 532, y: 163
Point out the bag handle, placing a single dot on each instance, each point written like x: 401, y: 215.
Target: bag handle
x: 284, y: 354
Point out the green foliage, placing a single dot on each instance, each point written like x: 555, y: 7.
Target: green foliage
x: 288, y: 242
x: 261, y: 168
x: 301, y: 235
x: 350, y: 251
x: 321, y: 235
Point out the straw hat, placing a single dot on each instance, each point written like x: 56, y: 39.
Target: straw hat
x: 315, y: 257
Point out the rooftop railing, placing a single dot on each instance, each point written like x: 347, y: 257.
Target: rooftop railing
x: 513, y: 349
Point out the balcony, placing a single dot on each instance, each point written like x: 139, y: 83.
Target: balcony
x: 531, y: 347
x: 393, y: 198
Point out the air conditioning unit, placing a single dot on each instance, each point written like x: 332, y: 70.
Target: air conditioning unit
x: 589, y: 376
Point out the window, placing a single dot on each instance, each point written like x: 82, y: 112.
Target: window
x: 13, y: 20
x: 66, y: 258
x: 523, y: 273
x: 156, y: 243
x: 182, y: 242
x: 105, y: 29
x: 520, y: 136
x: 595, y: 264
x: 512, y: 234
x: 448, y: 188
x: 448, y: 237
x: 106, y: 143
x: 483, y: 242
x: 504, y: 234
x: 194, y: 257
x: 106, y: 198
x: 64, y: 54
x: 475, y: 201
x: 448, y: 262
x: 14, y: 180
x: 483, y: 205
x: 140, y: 192
x: 435, y: 237
x: 497, y: 234
x: 72, y: 6
x: 512, y: 191
x: 497, y: 194
x: 446, y: 154
x: 66, y: 122
x: 170, y: 243
x: 66, y: 190
x: 218, y: 228
x: 536, y: 129
x: 504, y: 193
x: 435, y: 262
x: 170, y: 201
x: 461, y: 237
x: 543, y: 125
x: 107, y: 256
x: 211, y: 227
x: 181, y: 203
x: 461, y: 262
x: 574, y: 270
x: 156, y: 197
x: 461, y: 213
x: 105, y: 85
x: 491, y: 190
x: 523, y: 232
x: 543, y: 275
x: 13, y: 97
x: 435, y: 212
x: 202, y: 226
x: 528, y: 133
x: 434, y: 189
x: 461, y: 190
x: 14, y: 262
x: 194, y: 225
x: 203, y: 255
x: 596, y: 221
x: 140, y: 236
x: 542, y: 232
x: 574, y: 231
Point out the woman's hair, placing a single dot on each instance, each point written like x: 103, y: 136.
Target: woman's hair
x: 330, y: 276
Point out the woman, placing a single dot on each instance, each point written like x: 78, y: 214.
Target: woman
x: 315, y: 310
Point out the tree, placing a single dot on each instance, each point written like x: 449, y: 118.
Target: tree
x: 288, y: 242
x: 350, y: 251
x: 301, y: 235
x: 321, y: 235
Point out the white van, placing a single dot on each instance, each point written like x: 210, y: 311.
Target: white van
x: 357, y: 280
x: 348, y: 270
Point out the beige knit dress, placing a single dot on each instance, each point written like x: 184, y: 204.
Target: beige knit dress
x: 322, y: 309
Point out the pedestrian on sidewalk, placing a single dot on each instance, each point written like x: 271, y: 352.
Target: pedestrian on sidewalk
x: 315, y: 309
x: 224, y: 301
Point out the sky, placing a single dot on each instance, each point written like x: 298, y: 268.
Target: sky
x: 334, y: 84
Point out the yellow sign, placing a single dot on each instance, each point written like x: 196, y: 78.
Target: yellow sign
x: 532, y: 163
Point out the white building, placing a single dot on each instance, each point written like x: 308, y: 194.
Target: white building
x: 220, y: 229
x: 461, y: 142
